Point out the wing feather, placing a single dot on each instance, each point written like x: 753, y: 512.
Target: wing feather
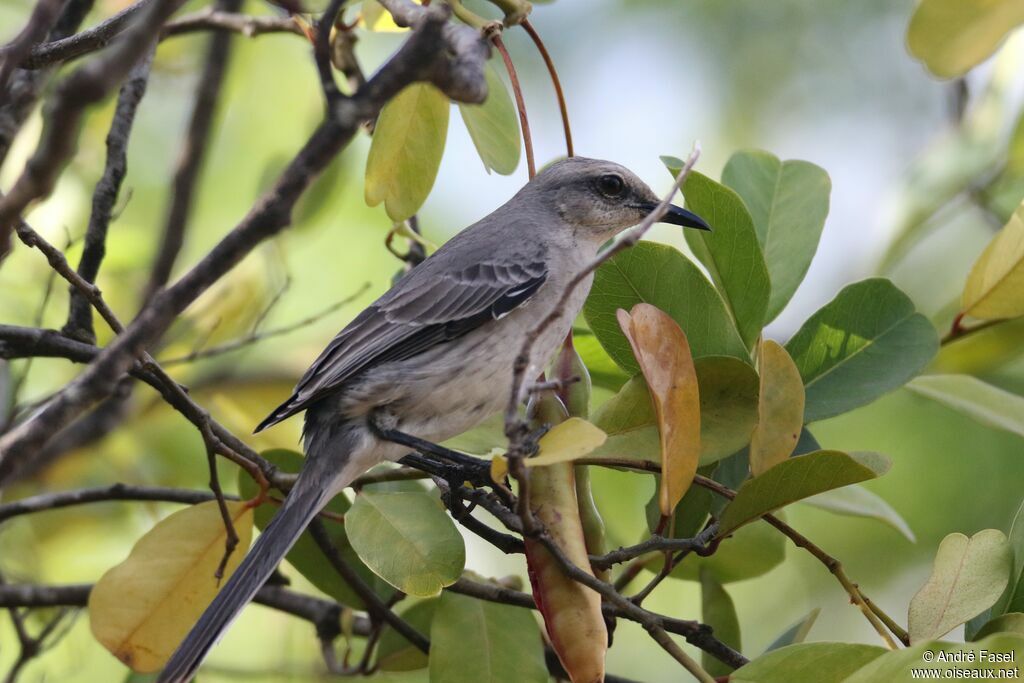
x: 416, y: 315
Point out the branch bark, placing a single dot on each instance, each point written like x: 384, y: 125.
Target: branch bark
x: 85, y: 87
x: 79, y: 325
x: 452, y: 57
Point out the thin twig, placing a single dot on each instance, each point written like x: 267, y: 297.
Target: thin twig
x: 957, y: 330
x: 256, y: 336
x: 555, y: 81
x: 651, y: 545
x: 517, y: 90
x: 85, y: 87
x: 322, y: 51
x: 306, y: 607
x: 832, y: 564
x: 374, y: 605
x: 79, y: 324
x: 450, y: 56
x: 515, y: 429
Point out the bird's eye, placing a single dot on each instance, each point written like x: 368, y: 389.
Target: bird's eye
x: 611, y: 185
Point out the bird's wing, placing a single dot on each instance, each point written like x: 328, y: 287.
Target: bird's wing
x: 419, y: 313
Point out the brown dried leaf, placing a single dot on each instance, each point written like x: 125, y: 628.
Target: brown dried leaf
x: 663, y: 353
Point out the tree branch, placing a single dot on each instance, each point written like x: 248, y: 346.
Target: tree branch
x: 306, y: 607
x: 515, y: 429
x: 102, y: 494
x: 24, y: 86
x: 437, y: 51
x: 193, y: 152
x: 374, y: 605
x: 79, y: 325
x: 86, y: 86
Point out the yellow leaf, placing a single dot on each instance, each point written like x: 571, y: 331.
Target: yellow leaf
x: 995, y: 286
x: 141, y: 609
x: 953, y: 36
x: 406, y: 151
x: 663, y: 353
x: 567, y: 441
x: 499, y: 468
x: 780, y: 408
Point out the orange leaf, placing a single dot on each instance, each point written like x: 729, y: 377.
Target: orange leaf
x: 661, y: 350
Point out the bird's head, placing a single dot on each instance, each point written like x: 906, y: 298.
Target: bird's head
x: 602, y: 198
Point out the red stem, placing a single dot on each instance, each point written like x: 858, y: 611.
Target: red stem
x: 555, y: 81
x: 531, y: 165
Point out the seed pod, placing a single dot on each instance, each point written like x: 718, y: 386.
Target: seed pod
x: 571, y: 611
x: 576, y: 397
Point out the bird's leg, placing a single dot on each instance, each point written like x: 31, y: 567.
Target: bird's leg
x: 531, y: 443
x: 469, y: 468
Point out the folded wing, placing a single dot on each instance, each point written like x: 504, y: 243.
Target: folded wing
x: 423, y: 310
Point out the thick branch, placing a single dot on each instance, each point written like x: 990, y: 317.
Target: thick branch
x: 42, y: 19
x: 87, y: 86
x: 24, y: 87
x: 86, y: 41
x: 455, y: 64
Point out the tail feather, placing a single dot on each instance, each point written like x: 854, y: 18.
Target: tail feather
x: 299, y: 508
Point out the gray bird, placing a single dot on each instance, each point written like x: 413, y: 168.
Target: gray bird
x: 433, y: 356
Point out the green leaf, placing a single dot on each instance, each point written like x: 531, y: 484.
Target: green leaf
x: 494, y: 126
x: 752, y: 551
x: 718, y: 612
x: 1012, y: 622
x: 603, y: 370
x: 728, y: 406
x: 798, y: 478
x: 979, y: 400
x: 731, y: 252
x: 1012, y: 599
x: 953, y: 36
x: 864, y: 343
x: 658, y: 274
x: 797, y: 633
x: 408, y: 540
x: 406, y: 151
x: 968, y: 576
x: 809, y: 663
x: 728, y: 413
x: 689, y: 516
x: 394, y: 652
x: 945, y: 657
x: 857, y: 501
x: 788, y: 202
x: 306, y: 556
x: 475, y: 641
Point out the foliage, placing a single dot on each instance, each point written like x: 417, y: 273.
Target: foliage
x: 694, y: 394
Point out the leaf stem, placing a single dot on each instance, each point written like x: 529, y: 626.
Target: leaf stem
x: 517, y: 90
x: 555, y: 81
x: 958, y: 331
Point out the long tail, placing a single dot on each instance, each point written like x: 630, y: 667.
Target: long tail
x: 310, y: 493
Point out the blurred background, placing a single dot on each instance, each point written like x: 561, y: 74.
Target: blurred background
x: 828, y: 81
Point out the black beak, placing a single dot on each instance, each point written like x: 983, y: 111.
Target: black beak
x: 678, y: 216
